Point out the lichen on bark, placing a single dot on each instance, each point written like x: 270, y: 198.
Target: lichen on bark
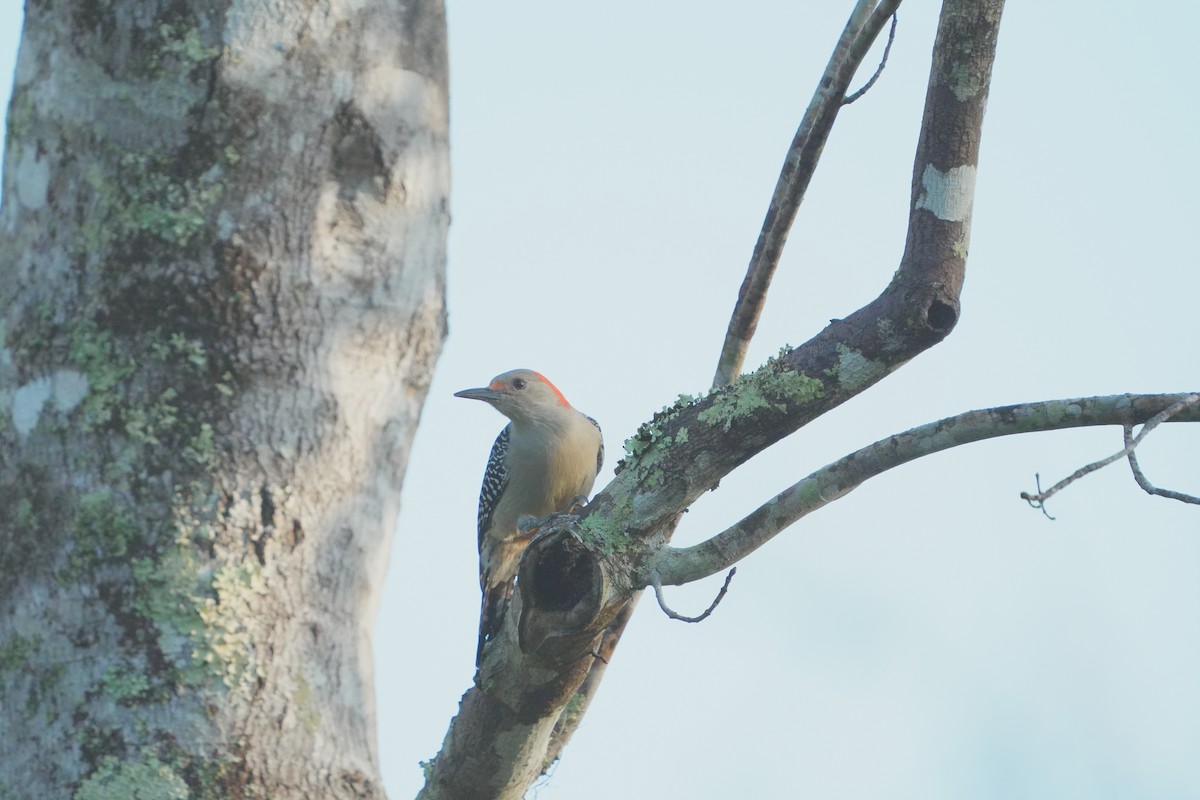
x: 183, y: 564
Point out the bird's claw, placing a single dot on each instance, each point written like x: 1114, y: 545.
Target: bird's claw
x: 528, y: 526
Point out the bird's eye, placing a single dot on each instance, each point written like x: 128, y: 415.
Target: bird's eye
x: 518, y: 383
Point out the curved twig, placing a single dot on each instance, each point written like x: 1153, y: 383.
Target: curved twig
x: 658, y: 595
x: 887, y: 49
x: 1146, y: 485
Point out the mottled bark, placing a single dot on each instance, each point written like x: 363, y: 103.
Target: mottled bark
x: 221, y: 274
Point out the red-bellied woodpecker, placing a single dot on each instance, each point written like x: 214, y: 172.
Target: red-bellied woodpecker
x: 545, y: 458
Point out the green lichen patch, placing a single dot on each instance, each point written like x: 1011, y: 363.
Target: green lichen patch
x: 105, y: 532
x: 150, y: 399
x: 965, y: 81
x: 771, y: 386
x: 186, y: 625
x: 167, y: 44
x: 96, y: 353
x: 183, y: 45
x: 199, y: 617
x: 854, y: 371
x: 738, y: 400
x: 142, y: 778
x: 647, y: 445
x: 889, y: 338
x: 15, y: 651
x: 650, y: 432
x: 167, y: 593
x: 146, y: 208
x: 602, y: 533
x: 186, y: 632
x: 230, y: 650
x: 201, y: 449
x: 126, y: 683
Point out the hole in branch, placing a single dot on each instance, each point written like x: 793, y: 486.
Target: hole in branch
x: 562, y: 576
x: 941, y: 316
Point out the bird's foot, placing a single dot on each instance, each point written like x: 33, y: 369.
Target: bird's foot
x: 528, y: 526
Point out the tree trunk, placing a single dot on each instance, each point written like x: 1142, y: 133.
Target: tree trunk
x: 222, y: 278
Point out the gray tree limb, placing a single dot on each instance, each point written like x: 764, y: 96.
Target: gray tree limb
x: 1143, y: 481
x: 866, y: 21
x: 1038, y: 499
x: 674, y: 566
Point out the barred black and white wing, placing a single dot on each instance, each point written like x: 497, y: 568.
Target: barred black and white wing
x: 495, y: 598
x: 495, y: 478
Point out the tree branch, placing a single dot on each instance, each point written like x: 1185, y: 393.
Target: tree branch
x: 887, y: 50
x: 1146, y: 485
x: 799, y: 166
x: 1038, y: 499
x: 686, y: 450
x: 662, y: 603
x: 675, y: 566
x: 860, y: 33
x: 532, y: 675
x: 572, y: 713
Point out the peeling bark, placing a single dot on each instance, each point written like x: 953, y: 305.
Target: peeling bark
x: 222, y: 278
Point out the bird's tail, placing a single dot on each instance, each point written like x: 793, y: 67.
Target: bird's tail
x: 491, y: 614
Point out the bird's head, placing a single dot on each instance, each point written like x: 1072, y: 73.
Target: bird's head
x: 519, y: 394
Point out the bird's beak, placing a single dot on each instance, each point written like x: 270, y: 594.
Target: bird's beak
x: 483, y: 393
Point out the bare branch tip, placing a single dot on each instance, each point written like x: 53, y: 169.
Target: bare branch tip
x: 887, y: 49
x: 1131, y: 442
x: 658, y: 595
x: 1038, y: 500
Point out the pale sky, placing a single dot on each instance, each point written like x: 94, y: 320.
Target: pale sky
x: 929, y: 636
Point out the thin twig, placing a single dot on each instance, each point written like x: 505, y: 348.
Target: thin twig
x: 658, y: 594
x: 1149, y: 487
x: 1038, y: 504
x: 1038, y: 499
x: 878, y: 70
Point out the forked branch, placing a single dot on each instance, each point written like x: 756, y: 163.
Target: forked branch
x: 1146, y: 485
x: 863, y: 27
x: 887, y: 51
x: 1038, y: 499
x: 797, y: 171
x: 684, y: 565
x: 539, y: 674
